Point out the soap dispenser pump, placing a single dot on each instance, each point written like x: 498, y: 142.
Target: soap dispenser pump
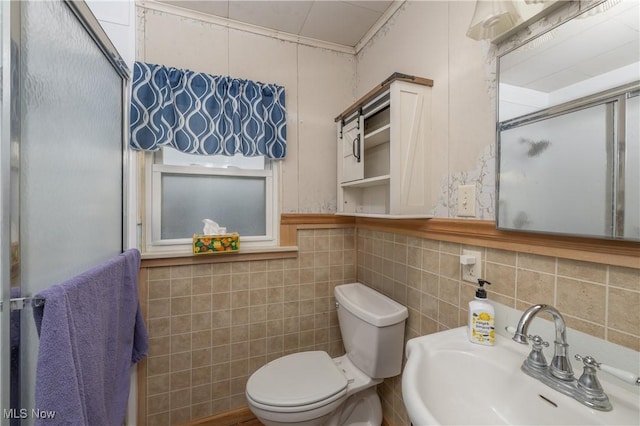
x: 481, y: 317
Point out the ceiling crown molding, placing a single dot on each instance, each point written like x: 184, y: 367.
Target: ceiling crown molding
x: 391, y: 10
x: 250, y: 28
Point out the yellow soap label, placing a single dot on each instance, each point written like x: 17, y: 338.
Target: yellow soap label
x: 482, y: 328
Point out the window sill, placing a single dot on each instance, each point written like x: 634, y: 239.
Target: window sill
x: 151, y: 260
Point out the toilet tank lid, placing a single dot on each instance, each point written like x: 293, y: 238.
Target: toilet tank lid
x: 369, y: 305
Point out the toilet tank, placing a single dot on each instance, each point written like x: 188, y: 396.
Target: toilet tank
x: 372, y: 327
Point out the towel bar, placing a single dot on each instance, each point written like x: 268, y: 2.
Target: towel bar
x: 19, y: 303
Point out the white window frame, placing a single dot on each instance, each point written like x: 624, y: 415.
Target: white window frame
x: 153, y: 204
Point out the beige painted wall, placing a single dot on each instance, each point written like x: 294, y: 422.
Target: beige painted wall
x: 428, y: 39
x: 318, y: 85
x: 423, y: 38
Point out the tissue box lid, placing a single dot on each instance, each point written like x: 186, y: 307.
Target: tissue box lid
x: 212, y: 244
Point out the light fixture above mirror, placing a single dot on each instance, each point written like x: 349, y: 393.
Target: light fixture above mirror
x: 495, y: 20
x: 492, y: 18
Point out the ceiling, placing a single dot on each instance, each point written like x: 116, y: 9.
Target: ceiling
x: 599, y: 42
x: 341, y: 22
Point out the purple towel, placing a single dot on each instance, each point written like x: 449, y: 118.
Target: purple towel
x: 91, y: 333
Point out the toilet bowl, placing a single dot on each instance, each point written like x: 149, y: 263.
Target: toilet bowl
x: 302, y: 388
x: 309, y: 388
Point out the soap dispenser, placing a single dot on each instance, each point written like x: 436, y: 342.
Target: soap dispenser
x: 481, y: 317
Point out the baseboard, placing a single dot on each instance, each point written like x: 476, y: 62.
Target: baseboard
x: 241, y: 417
x: 386, y: 422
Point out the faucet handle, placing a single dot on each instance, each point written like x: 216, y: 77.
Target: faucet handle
x: 625, y: 376
x: 538, y: 343
x: 589, y: 385
x: 589, y: 382
x: 588, y: 361
x: 536, y: 359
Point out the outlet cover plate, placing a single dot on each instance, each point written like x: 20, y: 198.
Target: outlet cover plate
x: 471, y: 273
x: 467, y: 200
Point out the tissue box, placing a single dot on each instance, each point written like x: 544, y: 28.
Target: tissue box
x: 210, y: 244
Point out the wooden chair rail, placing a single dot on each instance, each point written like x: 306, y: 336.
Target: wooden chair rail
x: 481, y: 233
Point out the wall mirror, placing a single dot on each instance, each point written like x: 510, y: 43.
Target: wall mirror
x: 568, y: 127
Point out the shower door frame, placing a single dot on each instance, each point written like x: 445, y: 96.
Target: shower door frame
x: 10, y: 125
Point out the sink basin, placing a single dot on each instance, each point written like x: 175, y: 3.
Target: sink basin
x: 449, y: 380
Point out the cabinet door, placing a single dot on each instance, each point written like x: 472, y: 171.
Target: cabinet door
x: 352, y: 151
x: 411, y: 160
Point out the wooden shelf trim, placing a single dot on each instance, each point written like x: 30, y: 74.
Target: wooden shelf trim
x: 471, y: 232
x: 216, y: 258
x: 481, y: 233
x: 315, y: 219
x: 387, y: 216
x: 381, y: 88
x: 290, y: 223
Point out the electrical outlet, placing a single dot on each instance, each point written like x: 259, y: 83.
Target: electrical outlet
x: 467, y: 200
x: 471, y: 273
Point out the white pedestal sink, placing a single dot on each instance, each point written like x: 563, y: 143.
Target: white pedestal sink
x: 449, y: 380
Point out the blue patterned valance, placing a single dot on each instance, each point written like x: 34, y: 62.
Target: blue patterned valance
x: 199, y: 113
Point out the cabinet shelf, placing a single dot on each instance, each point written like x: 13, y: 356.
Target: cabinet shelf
x: 378, y: 136
x: 364, y: 183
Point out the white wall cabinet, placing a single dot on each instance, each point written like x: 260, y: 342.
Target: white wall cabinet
x: 383, y: 151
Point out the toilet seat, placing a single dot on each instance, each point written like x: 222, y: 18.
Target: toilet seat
x: 297, y: 382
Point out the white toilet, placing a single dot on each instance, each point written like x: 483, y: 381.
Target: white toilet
x: 310, y: 388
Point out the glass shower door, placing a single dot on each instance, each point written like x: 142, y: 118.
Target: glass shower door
x: 65, y: 191
x: 4, y: 332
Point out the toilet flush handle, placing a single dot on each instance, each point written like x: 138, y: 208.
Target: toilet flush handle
x: 337, y: 304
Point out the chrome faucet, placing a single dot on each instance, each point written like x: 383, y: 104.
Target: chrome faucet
x: 559, y: 374
x: 560, y: 366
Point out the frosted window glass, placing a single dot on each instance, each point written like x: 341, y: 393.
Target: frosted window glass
x: 554, y: 175
x: 71, y: 158
x: 237, y: 203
